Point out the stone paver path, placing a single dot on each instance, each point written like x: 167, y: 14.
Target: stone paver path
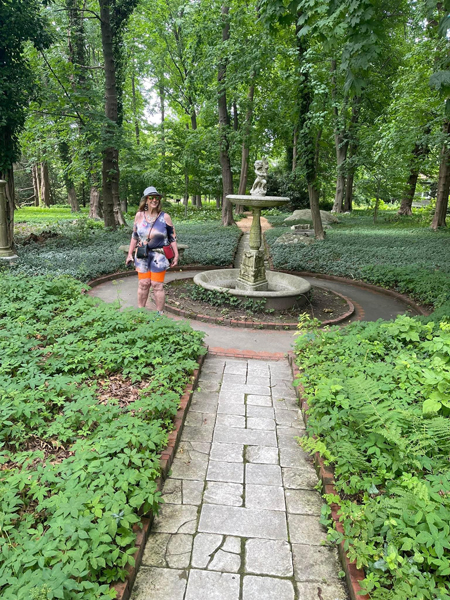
x: 241, y: 516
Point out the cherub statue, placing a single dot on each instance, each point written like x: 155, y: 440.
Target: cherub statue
x: 260, y: 186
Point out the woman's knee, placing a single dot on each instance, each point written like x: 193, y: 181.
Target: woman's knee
x: 157, y: 286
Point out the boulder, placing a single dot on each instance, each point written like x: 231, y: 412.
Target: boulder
x: 305, y: 215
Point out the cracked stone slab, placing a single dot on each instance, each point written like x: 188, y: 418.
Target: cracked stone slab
x: 288, y: 418
x: 212, y: 585
x: 228, y: 408
x: 303, y: 502
x: 304, y: 529
x: 263, y: 474
x: 176, y: 518
x: 168, y: 550
x: 164, y: 584
x: 205, y: 545
x: 198, y: 396
x: 193, y: 450
x: 202, y: 433
x: 193, y: 492
x: 264, y: 412
x: 227, y: 452
x: 257, y: 400
x: 289, y: 440
x: 226, y: 494
x: 261, y: 454
x: 236, y: 369
x: 203, y: 406
x: 258, y: 380
x: 300, y: 478
x: 225, y: 561
x: 173, y: 491
x: 248, y: 437
x: 260, y: 423
x: 243, y: 522
x: 256, y: 588
x: 198, y: 419
x: 232, y: 397
x: 189, y: 469
x: 225, y: 471
x: 313, y: 591
x: 239, y: 378
x: 268, y: 557
x: 228, y: 420
x: 260, y: 390
x: 315, y: 563
x: 293, y: 457
x: 264, y: 497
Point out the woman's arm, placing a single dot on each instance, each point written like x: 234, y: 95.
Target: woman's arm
x: 172, y: 239
x: 133, y: 243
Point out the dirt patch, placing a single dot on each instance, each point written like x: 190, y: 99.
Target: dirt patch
x: 39, y: 239
x: 322, y: 304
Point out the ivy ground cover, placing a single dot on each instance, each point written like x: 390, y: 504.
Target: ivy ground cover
x: 84, y: 249
x: 379, y: 398
x: 398, y: 254
x: 87, y: 396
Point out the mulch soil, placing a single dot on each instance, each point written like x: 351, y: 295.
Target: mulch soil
x: 322, y: 304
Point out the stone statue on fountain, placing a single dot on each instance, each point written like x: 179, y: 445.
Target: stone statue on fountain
x: 259, y: 188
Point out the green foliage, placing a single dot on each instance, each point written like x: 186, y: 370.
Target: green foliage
x: 46, y: 215
x: 379, y: 410
x: 217, y: 298
x: 209, y: 243
x: 289, y: 185
x: 87, y: 395
x: 392, y: 254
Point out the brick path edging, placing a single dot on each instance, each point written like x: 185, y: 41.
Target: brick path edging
x: 353, y: 575
x: 142, y: 530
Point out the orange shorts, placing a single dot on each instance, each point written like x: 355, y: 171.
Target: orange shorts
x: 158, y: 277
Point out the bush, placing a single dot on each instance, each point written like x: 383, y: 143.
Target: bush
x: 379, y: 412
x: 86, y: 402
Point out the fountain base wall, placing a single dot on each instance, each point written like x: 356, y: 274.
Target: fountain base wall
x: 284, y: 290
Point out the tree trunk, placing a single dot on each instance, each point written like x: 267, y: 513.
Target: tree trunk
x: 246, y: 141
x: 45, y: 186
x: 8, y: 176
x: 110, y: 163
x: 294, y: 150
x: 443, y: 183
x: 348, y: 206
x: 341, y: 157
x: 224, y: 125
x: 136, y: 122
x: 408, y: 194
x: 70, y: 188
x: 309, y: 141
x: 36, y: 184
x: 94, y: 204
x: 235, y: 117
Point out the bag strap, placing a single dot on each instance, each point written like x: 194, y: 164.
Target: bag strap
x: 148, y: 236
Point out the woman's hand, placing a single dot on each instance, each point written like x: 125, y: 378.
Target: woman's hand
x: 175, y: 261
x: 129, y: 259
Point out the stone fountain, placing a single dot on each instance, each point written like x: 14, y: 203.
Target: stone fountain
x: 280, y: 290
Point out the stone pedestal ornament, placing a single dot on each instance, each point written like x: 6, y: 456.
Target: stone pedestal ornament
x: 6, y: 253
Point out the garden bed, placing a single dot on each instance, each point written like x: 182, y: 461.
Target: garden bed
x: 184, y: 295
x: 86, y: 406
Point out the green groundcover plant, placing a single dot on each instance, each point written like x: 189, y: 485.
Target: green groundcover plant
x: 84, y: 249
x: 87, y: 397
x: 379, y: 398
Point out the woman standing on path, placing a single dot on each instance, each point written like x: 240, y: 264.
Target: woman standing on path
x: 153, y: 228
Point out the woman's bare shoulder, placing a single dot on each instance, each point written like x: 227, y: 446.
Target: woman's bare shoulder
x: 168, y: 219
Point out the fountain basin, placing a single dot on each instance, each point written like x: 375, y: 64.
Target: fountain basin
x: 285, y: 290
x: 257, y: 201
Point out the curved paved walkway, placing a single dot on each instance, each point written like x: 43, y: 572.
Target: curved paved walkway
x: 241, y: 517
x: 369, y: 305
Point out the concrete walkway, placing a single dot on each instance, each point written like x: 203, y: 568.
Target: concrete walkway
x: 241, y: 517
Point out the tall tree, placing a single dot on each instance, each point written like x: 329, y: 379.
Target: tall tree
x: 21, y: 21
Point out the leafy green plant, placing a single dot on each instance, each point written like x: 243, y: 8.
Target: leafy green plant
x: 217, y: 298
x: 378, y: 396
x: 87, y: 397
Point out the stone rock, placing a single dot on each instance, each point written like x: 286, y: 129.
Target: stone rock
x: 305, y: 215
x: 268, y: 557
x: 288, y: 239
